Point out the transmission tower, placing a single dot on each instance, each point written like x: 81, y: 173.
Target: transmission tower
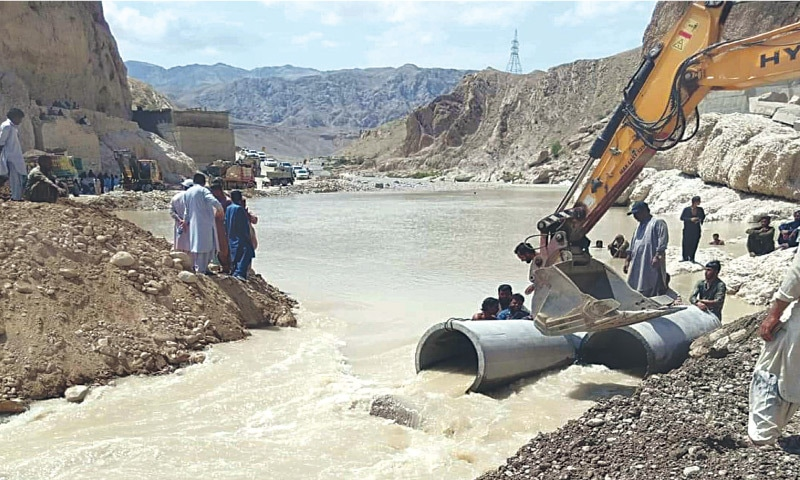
x: 513, y: 61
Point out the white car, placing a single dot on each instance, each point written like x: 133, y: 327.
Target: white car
x: 301, y: 173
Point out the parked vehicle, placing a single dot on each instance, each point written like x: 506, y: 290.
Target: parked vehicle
x: 233, y: 174
x: 302, y: 174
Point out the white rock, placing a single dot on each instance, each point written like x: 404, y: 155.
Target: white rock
x: 123, y: 259
x: 689, y: 471
x: 76, y: 394
x: 187, y: 277
x: 68, y: 273
x: 184, y: 257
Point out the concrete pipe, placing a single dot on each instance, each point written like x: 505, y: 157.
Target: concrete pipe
x: 655, y: 346
x: 498, y: 352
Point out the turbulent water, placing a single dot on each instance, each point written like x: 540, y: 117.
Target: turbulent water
x: 372, y: 272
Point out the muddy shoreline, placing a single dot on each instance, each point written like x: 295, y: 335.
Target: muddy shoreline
x: 86, y: 297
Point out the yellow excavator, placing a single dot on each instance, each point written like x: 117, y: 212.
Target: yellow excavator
x: 576, y: 293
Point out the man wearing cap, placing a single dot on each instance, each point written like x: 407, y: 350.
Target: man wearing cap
x: 761, y: 239
x: 709, y: 294
x: 177, y: 208
x: 775, y: 388
x: 646, y: 260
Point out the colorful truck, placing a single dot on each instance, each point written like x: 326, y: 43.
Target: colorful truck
x: 138, y: 174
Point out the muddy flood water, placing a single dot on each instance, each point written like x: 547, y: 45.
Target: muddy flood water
x: 372, y: 272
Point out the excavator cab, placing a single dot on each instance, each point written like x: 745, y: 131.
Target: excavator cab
x: 578, y: 296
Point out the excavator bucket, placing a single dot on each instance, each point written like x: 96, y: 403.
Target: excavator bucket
x: 572, y: 298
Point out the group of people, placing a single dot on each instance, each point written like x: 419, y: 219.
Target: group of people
x: 507, y: 306
x: 213, y: 227
x: 39, y: 185
x: 761, y: 239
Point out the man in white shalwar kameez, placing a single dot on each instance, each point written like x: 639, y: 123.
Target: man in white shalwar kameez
x: 177, y: 209
x: 775, y: 388
x: 199, y: 220
x: 646, y: 260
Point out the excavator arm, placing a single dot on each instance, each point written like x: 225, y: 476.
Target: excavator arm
x: 658, y: 110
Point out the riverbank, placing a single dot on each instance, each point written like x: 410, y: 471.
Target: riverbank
x: 87, y: 297
x: 690, y: 422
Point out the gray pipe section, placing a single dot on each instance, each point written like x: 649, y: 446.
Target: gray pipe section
x: 500, y: 351
x: 660, y: 344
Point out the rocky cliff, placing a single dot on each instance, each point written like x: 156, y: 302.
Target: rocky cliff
x: 147, y: 97
x: 497, y: 126
x: 62, y: 51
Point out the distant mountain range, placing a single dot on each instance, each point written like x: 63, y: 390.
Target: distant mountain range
x: 301, y: 97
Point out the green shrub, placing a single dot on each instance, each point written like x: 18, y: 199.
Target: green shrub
x: 556, y: 148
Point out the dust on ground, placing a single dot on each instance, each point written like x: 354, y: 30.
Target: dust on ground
x: 70, y: 316
x: 690, y: 422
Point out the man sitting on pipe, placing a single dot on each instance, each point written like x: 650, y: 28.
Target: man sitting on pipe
x: 489, y: 309
x: 709, y: 294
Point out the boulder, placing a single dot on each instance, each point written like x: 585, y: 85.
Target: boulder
x: 184, y: 257
x: 764, y: 108
x: 774, y: 97
x: 76, y: 394
x: 392, y: 408
x: 795, y: 100
x: 787, y: 115
x: 12, y: 406
x: 187, y: 277
x: 123, y: 259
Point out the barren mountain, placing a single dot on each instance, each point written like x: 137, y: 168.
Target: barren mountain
x: 497, y: 126
x: 353, y: 99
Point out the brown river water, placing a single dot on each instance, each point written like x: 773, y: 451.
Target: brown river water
x: 372, y: 272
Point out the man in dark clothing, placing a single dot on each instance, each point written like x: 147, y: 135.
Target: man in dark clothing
x: 709, y: 294
x: 761, y: 239
x: 504, y: 293
x: 237, y: 226
x: 224, y: 254
x: 692, y: 218
x: 41, y: 186
x: 789, y: 232
x: 489, y: 309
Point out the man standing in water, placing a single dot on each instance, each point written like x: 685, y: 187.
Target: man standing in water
x: 201, y: 207
x: 692, y: 218
x: 775, y: 388
x: 646, y: 259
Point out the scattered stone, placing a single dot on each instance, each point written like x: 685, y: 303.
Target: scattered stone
x: 68, y: 273
x: 12, y: 407
x: 689, y: 471
x: 123, y: 259
x: 76, y: 394
x: 23, y: 288
x: 187, y: 277
x: 774, y: 97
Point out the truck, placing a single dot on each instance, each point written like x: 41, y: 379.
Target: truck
x: 138, y: 174
x: 233, y: 174
x: 279, y: 176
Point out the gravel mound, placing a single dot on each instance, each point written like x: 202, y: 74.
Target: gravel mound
x: 691, y: 422
x: 85, y: 296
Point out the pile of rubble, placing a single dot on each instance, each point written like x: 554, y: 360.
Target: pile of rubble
x: 691, y: 422
x: 129, y: 200
x: 85, y: 297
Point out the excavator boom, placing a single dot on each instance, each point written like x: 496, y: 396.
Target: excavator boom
x: 658, y: 110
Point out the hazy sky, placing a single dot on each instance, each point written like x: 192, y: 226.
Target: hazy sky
x: 336, y: 35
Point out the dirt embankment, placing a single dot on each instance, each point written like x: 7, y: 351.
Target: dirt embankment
x: 85, y: 296
x: 691, y: 422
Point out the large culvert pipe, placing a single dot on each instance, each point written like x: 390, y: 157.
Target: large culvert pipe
x: 499, y: 352
x: 657, y: 345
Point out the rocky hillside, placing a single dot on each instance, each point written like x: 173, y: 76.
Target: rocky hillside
x: 346, y: 98
x: 52, y: 51
x: 146, y: 97
x: 179, y: 80
x: 496, y: 126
